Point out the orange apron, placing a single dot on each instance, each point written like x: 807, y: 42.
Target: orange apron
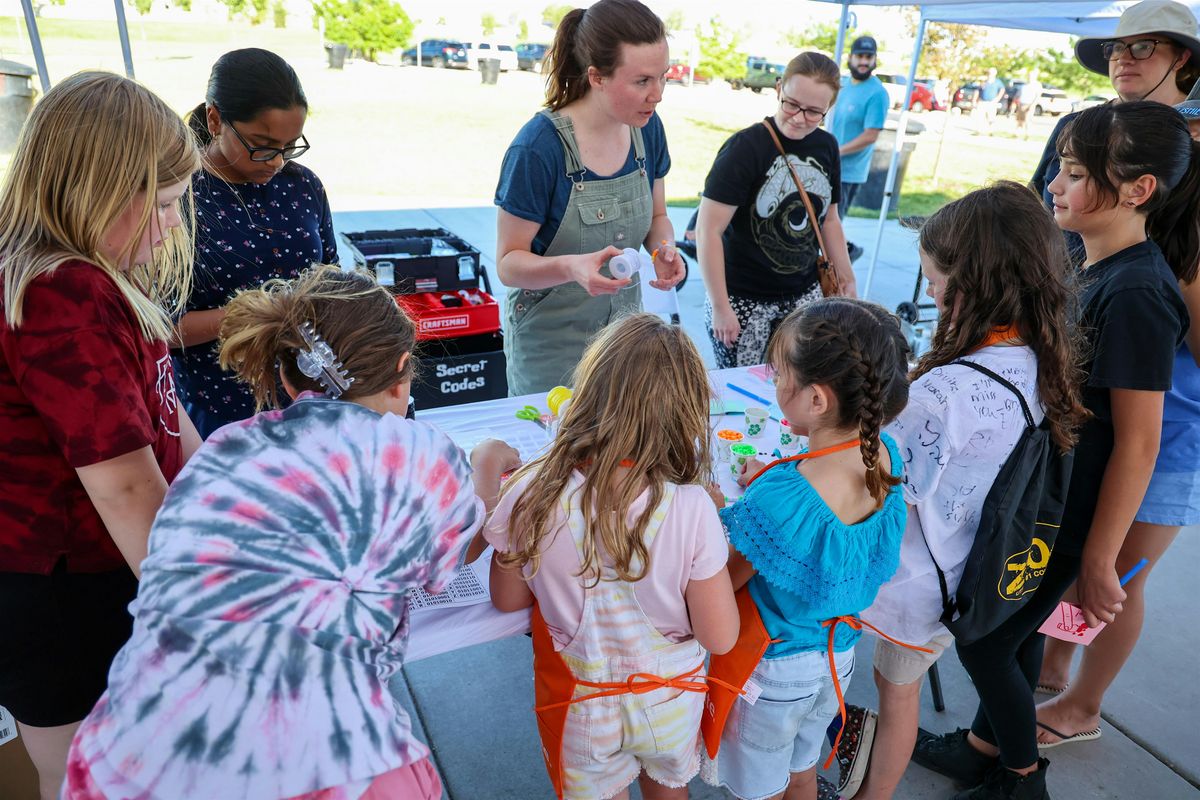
x: 728, y: 674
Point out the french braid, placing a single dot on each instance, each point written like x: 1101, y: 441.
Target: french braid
x: 857, y: 349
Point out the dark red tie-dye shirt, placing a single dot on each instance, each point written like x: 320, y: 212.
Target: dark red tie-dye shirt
x: 79, y: 384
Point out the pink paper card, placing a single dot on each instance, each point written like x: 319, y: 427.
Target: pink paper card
x: 763, y: 372
x: 1067, y: 623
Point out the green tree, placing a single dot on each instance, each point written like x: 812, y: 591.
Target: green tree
x: 279, y: 13
x: 820, y: 36
x: 675, y: 21
x: 488, y: 23
x: 553, y: 14
x: 721, y: 54
x: 254, y: 10
x: 369, y: 26
x: 523, y: 31
x: 951, y: 51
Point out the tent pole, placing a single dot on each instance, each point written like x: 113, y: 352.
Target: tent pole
x: 841, y: 35
x: 35, y: 41
x: 889, y: 182
x: 123, y: 33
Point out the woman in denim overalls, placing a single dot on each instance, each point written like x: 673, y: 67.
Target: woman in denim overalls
x: 598, y: 149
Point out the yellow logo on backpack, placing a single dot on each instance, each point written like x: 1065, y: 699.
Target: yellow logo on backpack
x: 1029, y: 566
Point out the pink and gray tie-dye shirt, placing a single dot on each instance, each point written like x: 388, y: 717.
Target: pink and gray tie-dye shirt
x: 273, y: 609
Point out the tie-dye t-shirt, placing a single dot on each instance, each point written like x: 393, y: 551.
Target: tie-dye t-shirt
x: 273, y: 609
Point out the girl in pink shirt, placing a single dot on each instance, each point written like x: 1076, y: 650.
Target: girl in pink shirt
x: 614, y: 540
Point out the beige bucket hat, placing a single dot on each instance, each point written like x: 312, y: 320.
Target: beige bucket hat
x: 1174, y: 20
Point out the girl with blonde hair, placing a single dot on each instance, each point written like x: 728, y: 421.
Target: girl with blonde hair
x: 94, y: 258
x: 613, y: 539
x: 273, y: 608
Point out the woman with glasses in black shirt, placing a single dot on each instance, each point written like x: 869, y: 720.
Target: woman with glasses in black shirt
x: 756, y: 243
x: 259, y: 215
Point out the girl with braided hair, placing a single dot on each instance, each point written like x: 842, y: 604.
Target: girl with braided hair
x: 813, y: 538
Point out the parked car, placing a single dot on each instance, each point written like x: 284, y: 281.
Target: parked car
x: 477, y: 51
x: 530, y: 56
x: 1090, y: 101
x: 964, y: 97
x: 678, y: 72
x: 760, y: 74
x: 1053, y: 101
x: 437, y: 53
x: 922, y: 98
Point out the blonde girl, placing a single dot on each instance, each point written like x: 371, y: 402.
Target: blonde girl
x: 273, y: 606
x: 94, y: 258
x: 614, y: 540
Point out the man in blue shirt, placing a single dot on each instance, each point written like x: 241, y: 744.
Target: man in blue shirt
x: 987, y: 98
x: 858, y: 117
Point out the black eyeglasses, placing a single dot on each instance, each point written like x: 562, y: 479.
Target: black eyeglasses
x: 792, y: 108
x: 270, y: 153
x: 1139, y: 50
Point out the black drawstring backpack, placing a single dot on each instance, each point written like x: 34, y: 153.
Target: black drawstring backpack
x: 1017, y: 529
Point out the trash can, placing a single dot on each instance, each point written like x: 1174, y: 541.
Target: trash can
x: 489, y: 68
x: 337, y: 55
x: 870, y: 196
x: 16, y: 100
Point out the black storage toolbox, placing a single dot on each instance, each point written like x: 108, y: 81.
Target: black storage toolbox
x: 419, y: 259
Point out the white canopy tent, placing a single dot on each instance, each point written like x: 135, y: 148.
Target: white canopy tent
x: 1078, y: 18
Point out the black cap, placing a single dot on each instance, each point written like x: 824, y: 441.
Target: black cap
x: 863, y: 44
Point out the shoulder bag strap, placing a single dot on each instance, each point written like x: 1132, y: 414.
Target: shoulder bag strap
x: 812, y: 214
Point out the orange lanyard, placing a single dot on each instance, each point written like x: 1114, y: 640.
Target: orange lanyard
x: 824, y: 451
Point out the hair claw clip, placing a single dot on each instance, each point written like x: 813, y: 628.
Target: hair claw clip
x: 320, y: 363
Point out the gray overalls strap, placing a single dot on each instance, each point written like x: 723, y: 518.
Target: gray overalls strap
x: 546, y: 329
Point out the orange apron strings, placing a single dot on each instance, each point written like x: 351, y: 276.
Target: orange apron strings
x: 637, y: 683
x: 857, y: 624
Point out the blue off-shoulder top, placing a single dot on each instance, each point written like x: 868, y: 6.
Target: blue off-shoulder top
x: 810, y: 565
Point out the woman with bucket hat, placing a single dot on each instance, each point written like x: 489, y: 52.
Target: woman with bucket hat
x: 1153, y: 55
x: 1138, y: 67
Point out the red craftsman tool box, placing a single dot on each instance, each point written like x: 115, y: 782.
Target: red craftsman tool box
x: 439, y: 281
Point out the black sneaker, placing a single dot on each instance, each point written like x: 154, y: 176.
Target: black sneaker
x: 855, y: 251
x: 950, y: 755
x: 1004, y: 784
x: 854, y: 750
x: 826, y: 790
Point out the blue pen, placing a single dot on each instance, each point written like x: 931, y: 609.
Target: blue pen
x: 1128, y: 576
x: 749, y: 394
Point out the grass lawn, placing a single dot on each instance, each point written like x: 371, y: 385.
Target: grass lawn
x: 386, y: 136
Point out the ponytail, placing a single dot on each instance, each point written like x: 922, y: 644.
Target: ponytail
x: 1175, y: 227
x: 857, y: 350
x: 593, y: 37
x: 197, y: 122
x: 360, y: 321
x: 566, y: 81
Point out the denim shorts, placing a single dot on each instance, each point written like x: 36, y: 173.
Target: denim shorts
x: 784, y: 730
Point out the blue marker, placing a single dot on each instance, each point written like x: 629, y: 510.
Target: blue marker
x: 1128, y: 576
x: 749, y: 394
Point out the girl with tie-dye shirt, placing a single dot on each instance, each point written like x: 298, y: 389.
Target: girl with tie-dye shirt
x: 273, y: 605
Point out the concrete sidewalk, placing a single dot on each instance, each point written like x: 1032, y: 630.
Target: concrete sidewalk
x: 474, y: 706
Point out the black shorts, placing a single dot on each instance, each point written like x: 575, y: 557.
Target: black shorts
x: 58, y: 635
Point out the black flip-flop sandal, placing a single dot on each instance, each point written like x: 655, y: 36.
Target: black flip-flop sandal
x: 1082, y: 736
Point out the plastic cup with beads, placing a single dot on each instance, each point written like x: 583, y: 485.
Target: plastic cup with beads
x: 739, y: 454
x: 756, y: 421
x: 787, y: 439
x: 726, y: 437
